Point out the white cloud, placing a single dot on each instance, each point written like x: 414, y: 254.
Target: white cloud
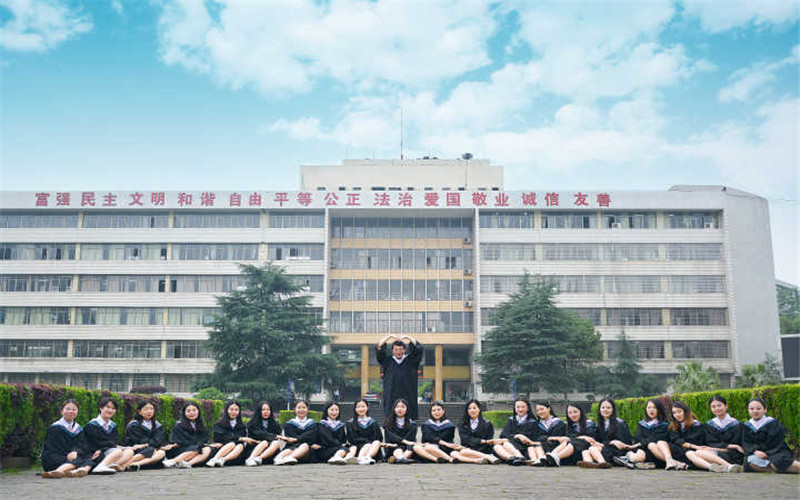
x: 290, y: 47
x: 116, y: 6
x: 747, y: 82
x: 721, y: 16
x: 40, y: 25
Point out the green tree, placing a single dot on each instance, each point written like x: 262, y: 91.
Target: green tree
x: 625, y: 378
x: 267, y: 335
x: 536, y: 344
x: 692, y: 377
x: 211, y: 393
x: 789, y: 309
x: 766, y: 373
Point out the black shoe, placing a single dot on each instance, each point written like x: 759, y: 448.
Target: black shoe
x: 516, y: 461
x: 549, y: 460
x: 624, y: 462
x: 441, y: 460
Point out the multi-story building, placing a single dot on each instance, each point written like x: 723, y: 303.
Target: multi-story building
x: 111, y: 289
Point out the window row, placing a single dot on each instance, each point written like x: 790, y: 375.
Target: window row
x: 117, y: 382
x: 35, y: 283
x: 509, y: 284
x: 405, y: 227
x: 401, y: 290
x: 381, y: 258
x: 130, y: 349
x: 184, y: 316
x: 18, y: 220
x: 283, y: 220
x: 636, y: 316
x: 400, y: 322
x: 296, y: 251
x: 608, y: 220
x: 650, y: 349
x: 451, y: 356
x: 600, y: 251
x: 153, y: 220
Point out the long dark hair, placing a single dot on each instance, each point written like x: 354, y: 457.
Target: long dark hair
x: 661, y: 410
x: 391, y: 419
x: 138, y: 417
x: 198, y: 423
x: 362, y: 400
x: 546, y: 404
x: 688, y: 417
x: 225, y: 419
x: 258, y: 419
x: 465, y: 418
x: 581, y: 418
x: 328, y: 407
x: 530, y: 413
x: 601, y: 421
x: 440, y: 404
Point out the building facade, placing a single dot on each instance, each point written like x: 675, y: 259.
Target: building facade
x: 112, y: 289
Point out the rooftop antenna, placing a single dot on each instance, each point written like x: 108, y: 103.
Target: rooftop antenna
x: 401, y: 133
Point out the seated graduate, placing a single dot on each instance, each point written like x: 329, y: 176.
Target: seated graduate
x: 519, y: 433
x: 230, y: 437
x: 582, y: 431
x: 301, y: 435
x: 333, y: 438
x: 685, y: 436
x: 364, y: 433
x: 400, y: 434
x: 102, y: 440
x: 723, y: 450
x: 438, y: 436
x: 764, y: 442
x: 188, y: 440
x: 266, y: 433
x: 651, y: 433
x: 554, y: 444
x: 477, y: 436
x: 613, y: 435
x: 145, y: 436
x: 64, y: 452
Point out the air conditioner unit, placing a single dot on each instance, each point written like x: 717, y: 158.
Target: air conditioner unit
x: 467, y: 272
x: 467, y: 303
x: 467, y: 241
x: 332, y: 265
x: 431, y: 329
x: 616, y: 225
x: 708, y: 225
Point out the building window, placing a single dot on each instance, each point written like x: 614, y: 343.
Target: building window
x: 508, y: 251
x: 130, y: 316
x: 641, y: 349
x: 34, y: 315
x: 571, y: 251
x: 406, y: 227
x: 208, y: 284
x: 629, y: 220
x: 35, y: 283
x: 400, y: 322
x: 120, y: 283
x: 84, y: 380
x: 296, y: 251
x: 123, y: 251
x: 179, y: 383
x: 630, y: 252
x: 694, y: 251
x: 568, y: 220
x: 710, y: 349
x: 699, y: 316
x: 217, y: 220
x: 22, y: 220
x: 633, y: 317
x: 692, y: 220
x: 126, y: 221
x: 37, y: 251
x: 632, y: 284
x: 33, y: 349
x: 117, y: 349
x: 591, y: 315
x: 506, y: 220
x: 187, y: 349
x: 192, y: 316
x: 215, y: 251
x: 696, y: 284
x: 288, y: 220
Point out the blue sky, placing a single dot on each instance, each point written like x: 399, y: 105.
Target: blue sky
x: 215, y: 94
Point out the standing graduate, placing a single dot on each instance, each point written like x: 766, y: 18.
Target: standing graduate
x: 102, y: 439
x: 477, y: 436
x: 400, y: 371
x: 521, y: 433
x: 266, y: 432
x: 438, y: 436
x: 723, y: 449
x: 764, y: 442
x: 301, y: 435
x: 64, y: 452
x: 364, y: 433
x: 230, y: 437
x: 613, y: 435
x: 400, y: 433
x: 145, y: 436
x: 189, y: 437
x: 552, y: 433
x: 651, y: 433
x: 333, y: 438
x: 582, y: 432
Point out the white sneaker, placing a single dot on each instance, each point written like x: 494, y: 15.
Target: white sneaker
x: 363, y: 461
x: 279, y: 461
x: 211, y: 463
x: 351, y: 460
x: 250, y: 462
x: 290, y: 461
x: 183, y: 465
x: 220, y: 462
x: 168, y: 463
x: 372, y: 461
x: 337, y: 461
x: 258, y: 460
x: 494, y: 459
x: 103, y: 469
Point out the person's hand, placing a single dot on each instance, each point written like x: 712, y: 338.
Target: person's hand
x: 737, y: 448
x: 216, y: 445
x: 72, y: 456
x: 95, y: 454
x: 316, y: 447
x: 290, y: 439
x: 760, y: 454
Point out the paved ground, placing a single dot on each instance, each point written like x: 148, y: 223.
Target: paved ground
x: 403, y: 481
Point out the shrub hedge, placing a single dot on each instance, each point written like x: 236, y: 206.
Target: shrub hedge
x: 783, y: 403
x: 27, y: 410
x: 498, y: 418
x: 287, y: 415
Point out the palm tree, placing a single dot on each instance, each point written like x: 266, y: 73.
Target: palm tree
x: 692, y: 377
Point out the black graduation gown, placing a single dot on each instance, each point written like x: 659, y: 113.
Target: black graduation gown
x: 472, y: 438
x: 224, y: 433
x: 400, y: 379
x: 718, y: 436
x: 558, y: 428
x: 257, y: 430
x: 620, y: 432
x: 574, y: 432
x: 137, y: 433
x: 98, y: 438
x: 529, y: 428
x: 308, y: 434
x: 647, y: 433
x: 187, y: 439
x: 394, y: 434
x: 332, y: 439
x: 60, y: 442
x: 769, y: 438
x: 359, y: 435
x: 433, y: 432
x: 695, y: 434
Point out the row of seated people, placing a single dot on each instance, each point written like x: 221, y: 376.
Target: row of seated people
x: 723, y: 444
